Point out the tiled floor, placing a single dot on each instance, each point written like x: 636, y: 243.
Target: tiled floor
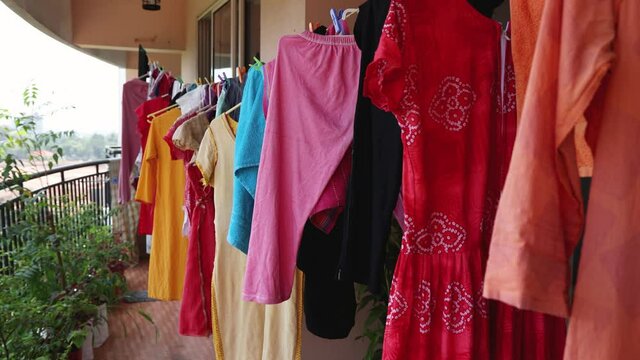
x: 132, y: 337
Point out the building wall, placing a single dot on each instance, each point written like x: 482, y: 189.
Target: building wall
x: 124, y: 24
x: 318, y: 10
x: 278, y: 18
x: 52, y: 16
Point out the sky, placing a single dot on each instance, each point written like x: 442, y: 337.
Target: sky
x: 87, y: 91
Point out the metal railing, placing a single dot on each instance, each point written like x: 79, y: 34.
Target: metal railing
x: 74, y: 186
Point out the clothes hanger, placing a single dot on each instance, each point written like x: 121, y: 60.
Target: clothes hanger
x: 233, y: 109
x: 159, y: 112
x: 349, y: 12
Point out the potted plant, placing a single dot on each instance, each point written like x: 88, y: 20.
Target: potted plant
x: 64, y: 269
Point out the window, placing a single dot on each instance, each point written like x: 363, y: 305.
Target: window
x: 228, y: 36
x: 222, y: 41
x: 251, y: 30
x: 204, y: 46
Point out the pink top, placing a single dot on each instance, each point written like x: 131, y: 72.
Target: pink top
x: 309, y: 128
x: 134, y: 93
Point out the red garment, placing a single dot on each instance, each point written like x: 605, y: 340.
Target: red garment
x: 438, y: 69
x: 195, y: 308
x: 332, y: 201
x: 145, y: 222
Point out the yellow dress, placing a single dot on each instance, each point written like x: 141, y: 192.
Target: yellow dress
x: 162, y: 183
x: 242, y: 330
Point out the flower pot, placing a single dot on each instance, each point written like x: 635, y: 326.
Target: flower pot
x: 100, y: 328
x: 87, y: 346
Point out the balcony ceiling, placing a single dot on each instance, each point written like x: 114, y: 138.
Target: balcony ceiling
x: 110, y: 29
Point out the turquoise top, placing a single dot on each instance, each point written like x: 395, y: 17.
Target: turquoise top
x: 249, y: 137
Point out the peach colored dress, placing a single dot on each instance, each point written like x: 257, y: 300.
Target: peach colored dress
x: 586, y: 63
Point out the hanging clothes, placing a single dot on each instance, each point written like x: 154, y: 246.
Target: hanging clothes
x: 304, y: 144
x: 162, y: 183
x: 455, y: 139
x: 230, y: 96
x: 525, y: 22
x: 377, y: 167
x: 247, y: 158
x: 192, y: 100
x: 143, y: 62
x: 330, y: 303
x: 332, y: 201
x: 195, y: 308
x: 526, y: 16
x: 161, y: 85
x: 242, y: 330
x: 330, y: 309
x: 586, y: 64
x: 134, y: 93
x: 145, y: 221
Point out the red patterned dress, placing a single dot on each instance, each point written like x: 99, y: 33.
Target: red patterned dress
x: 441, y: 69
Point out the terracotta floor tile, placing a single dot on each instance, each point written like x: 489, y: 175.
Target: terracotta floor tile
x: 132, y: 337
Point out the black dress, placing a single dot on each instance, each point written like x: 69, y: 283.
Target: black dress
x: 376, y: 170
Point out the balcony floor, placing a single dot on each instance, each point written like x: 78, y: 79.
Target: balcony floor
x: 139, y: 342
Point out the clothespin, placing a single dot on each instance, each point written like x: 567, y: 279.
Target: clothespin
x: 336, y: 16
x: 242, y: 73
x: 313, y: 26
x: 207, y: 80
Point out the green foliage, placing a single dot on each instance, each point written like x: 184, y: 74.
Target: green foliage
x: 376, y: 304
x: 61, y: 260
x: 61, y: 273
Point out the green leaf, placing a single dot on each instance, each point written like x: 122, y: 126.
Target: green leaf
x: 77, y: 337
x: 146, y: 316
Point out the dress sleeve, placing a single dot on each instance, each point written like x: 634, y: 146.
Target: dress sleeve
x: 384, y: 79
x: 207, y: 157
x: 540, y: 216
x: 146, y: 190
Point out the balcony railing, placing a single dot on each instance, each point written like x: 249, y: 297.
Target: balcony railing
x: 77, y: 185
